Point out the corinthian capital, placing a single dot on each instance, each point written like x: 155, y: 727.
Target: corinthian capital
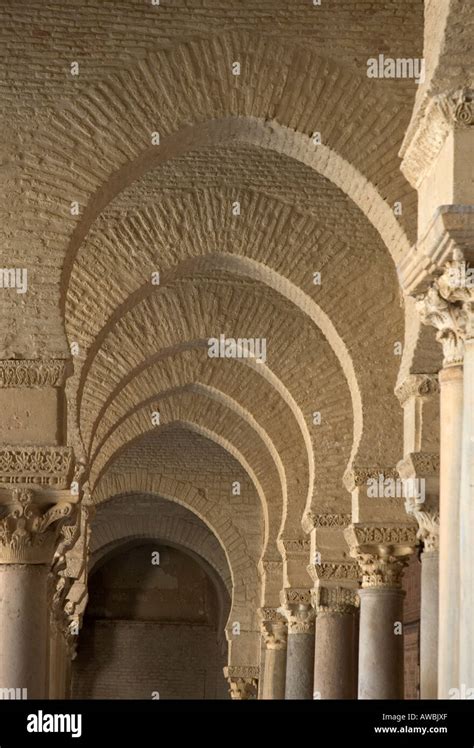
x: 449, y: 320
x: 381, y: 551
x: 298, y: 610
x: 243, y: 681
x: 275, y: 633
x: 448, y: 305
x: 28, y: 531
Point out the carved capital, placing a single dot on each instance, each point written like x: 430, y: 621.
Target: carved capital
x: 298, y: 610
x: 427, y: 517
x: 33, y: 372
x: 275, y: 633
x: 448, y: 305
x: 29, y: 532
x: 335, y: 600
x: 381, y: 552
x: 417, y: 385
x: 243, y: 681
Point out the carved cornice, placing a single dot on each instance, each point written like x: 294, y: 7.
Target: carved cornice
x: 334, y: 571
x: 38, y: 466
x: 295, y: 596
x: 314, y: 520
x: 359, y: 476
x: 419, y: 464
x: 242, y: 671
x: 296, y: 545
x: 29, y: 533
x: 426, y: 134
x: 396, y: 536
x: 33, y: 372
x: 417, y: 385
x: 336, y: 600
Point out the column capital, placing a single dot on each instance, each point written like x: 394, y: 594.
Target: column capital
x: 448, y: 305
x: 243, y: 681
x: 382, y: 552
x: 298, y: 610
x: 275, y: 633
x: 29, y: 532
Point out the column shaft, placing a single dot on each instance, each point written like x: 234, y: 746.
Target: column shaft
x: 24, y: 628
x: 380, y: 646
x: 335, y: 661
x: 299, y: 666
x: 429, y: 625
x: 451, y: 407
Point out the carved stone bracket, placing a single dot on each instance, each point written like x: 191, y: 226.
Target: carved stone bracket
x: 417, y: 385
x: 426, y: 134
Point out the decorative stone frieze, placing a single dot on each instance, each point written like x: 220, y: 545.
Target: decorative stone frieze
x: 419, y: 464
x: 33, y: 372
x: 341, y: 600
x: 313, y: 520
x: 36, y: 466
x: 358, y: 476
x: 334, y: 571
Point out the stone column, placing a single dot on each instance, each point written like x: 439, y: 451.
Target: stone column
x: 443, y: 307
x: 28, y: 535
x: 243, y: 681
x: 300, y: 649
x: 381, y: 553
x: 335, y: 660
x: 275, y: 634
x: 419, y: 471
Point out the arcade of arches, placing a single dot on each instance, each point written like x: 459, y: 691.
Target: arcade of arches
x: 236, y: 350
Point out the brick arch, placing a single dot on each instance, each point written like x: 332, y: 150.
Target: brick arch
x: 103, y: 139
x: 243, y: 569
